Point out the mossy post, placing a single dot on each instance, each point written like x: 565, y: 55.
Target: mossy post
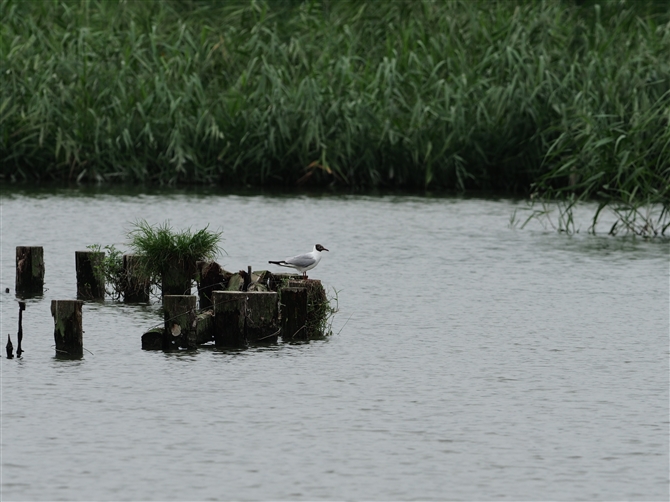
x: 136, y: 288
x: 179, y: 317
x: 68, y: 332
x: 230, y: 318
x: 318, y: 306
x: 280, y: 280
x: 29, y: 270
x: 90, y: 276
x: 262, y: 323
x: 294, y: 314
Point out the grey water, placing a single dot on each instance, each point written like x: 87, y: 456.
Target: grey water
x: 470, y: 359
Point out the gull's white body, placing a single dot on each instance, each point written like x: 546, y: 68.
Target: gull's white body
x: 303, y: 262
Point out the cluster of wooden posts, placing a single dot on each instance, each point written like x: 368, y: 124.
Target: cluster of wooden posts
x: 230, y: 310
x: 238, y: 310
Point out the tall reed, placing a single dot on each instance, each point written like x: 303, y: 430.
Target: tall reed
x: 545, y: 97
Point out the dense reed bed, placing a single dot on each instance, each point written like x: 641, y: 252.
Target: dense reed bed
x: 548, y: 97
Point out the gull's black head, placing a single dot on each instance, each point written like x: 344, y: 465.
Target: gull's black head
x: 319, y: 247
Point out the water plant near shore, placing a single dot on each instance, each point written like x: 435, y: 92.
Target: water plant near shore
x: 531, y: 97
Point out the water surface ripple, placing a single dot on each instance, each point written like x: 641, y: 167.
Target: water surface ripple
x: 470, y: 361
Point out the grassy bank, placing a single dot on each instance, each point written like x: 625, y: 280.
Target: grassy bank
x: 547, y: 97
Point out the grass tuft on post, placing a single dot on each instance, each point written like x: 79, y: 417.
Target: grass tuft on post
x: 169, y: 257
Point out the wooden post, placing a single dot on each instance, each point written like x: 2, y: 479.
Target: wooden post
x: 294, y: 314
x: 276, y: 281
x: 230, y: 318
x: 204, y: 327
x: 262, y: 324
x: 10, y: 348
x: 317, y: 306
x: 260, y: 281
x: 211, y: 277
x: 235, y: 283
x: 153, y: 339
x: 204, y: 291
x: 247, y: 278
x: 68, y: 332
x: 90, y: 279
x: 179, y: 317
x: 178, y: 280
x: 29, y: 270
x: 135, y: 288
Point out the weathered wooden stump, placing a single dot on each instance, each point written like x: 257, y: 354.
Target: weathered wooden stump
x: 9, y: 347
x: 179, y: 317
x: 153, y: 339
x: 178, y: 280
x: 204, y: 327
x: 210, y: 277
x: 236, y: 282
x: 136, y: 288
x: 294, y: 314
x: 204, y: 332
x: 262, y: 325
x: 317, y: 306
x: 230, y: 318
x: 278, y: 281
x: 68, y: 332
x: 90, y: 277
x: 29, y: 270
x: 260, y: 281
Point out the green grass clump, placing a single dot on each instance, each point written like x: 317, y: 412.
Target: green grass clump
x: 160, y: 249
x: 559, y: 98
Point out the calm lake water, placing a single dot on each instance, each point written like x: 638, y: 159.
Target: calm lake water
x: 470, y: 360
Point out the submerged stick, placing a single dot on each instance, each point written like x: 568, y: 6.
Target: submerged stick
x: 22, y: 307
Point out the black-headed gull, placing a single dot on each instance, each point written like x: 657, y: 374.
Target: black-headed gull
x: 303, y: 262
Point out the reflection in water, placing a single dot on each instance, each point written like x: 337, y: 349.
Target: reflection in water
x: 470, y: 360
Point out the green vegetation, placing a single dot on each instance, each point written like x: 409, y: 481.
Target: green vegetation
x: 111, y: 268
x: 161, y: 252
x: 558, y: 99
x: 320, y: 315
x: 160, y: 249
x: 324, y: 313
